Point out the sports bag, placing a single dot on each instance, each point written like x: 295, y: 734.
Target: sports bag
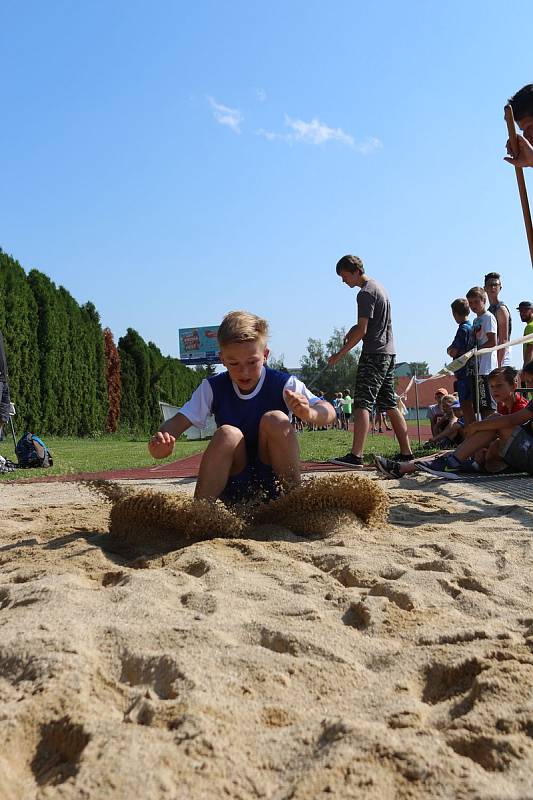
x: 32, y: 452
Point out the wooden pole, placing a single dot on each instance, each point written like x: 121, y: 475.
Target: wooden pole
x: 522, y: 191
x: 417, y: 410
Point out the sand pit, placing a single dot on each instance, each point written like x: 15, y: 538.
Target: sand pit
x: 149, y: 518
x: 378, y: 657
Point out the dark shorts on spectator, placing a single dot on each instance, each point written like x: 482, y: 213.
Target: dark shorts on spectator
x: 464, y: 389
x: 517, y: 451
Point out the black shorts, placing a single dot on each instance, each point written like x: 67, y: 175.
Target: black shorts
x: 517, y: 451
x: 257, y: 480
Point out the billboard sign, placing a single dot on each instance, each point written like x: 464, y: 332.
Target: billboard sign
x: 199, y: 345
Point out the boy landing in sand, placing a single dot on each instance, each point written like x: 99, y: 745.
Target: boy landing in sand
x: 254, y: 450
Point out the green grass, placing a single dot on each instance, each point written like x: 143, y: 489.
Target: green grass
x: 96, y: 455
x: 72, y: 456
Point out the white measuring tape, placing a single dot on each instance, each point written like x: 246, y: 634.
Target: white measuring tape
x: 459, y: 362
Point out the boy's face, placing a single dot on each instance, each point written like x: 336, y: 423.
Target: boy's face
x: 492, y: 287
x: 438, y: 397
x: 244, y: 362
x: 526, y: 314
x: 351, y: 279
x: 477, y: 304
x: 526, y: 126
x: 500, y: 389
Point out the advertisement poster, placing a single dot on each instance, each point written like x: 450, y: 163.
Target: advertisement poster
x: 199, y: 345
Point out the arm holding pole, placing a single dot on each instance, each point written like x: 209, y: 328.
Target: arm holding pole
x: 522, y: 191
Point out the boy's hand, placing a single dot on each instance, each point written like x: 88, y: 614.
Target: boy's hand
x: 524, y: 157
x: 161, y: 445
x: 472, y: 428
x: 299, y: 405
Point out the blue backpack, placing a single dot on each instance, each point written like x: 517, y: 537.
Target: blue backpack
x: 32, y: 452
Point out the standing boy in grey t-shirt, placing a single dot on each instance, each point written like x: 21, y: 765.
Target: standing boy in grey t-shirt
x: 375, y: 372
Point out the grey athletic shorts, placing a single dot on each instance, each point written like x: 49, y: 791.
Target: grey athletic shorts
x: 517, y: 451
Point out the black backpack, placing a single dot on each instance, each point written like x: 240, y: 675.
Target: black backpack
x: 32, y: 452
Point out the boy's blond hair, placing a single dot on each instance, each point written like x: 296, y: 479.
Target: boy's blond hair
x: 477, y: 291
x: 241, y: 326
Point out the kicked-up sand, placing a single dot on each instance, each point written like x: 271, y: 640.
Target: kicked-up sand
x: 319, y: 649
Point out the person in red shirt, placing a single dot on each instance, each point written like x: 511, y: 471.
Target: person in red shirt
x: 485, y: 447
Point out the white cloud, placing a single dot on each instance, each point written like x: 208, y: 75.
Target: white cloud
x: 231, y: 117
x: 316, y: 132
x: 370, y: 145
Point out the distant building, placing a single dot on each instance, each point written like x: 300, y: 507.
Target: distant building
x: 402, y: 369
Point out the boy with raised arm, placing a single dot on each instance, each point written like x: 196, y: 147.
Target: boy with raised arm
x: 374, y: 382
x: 254, y: 450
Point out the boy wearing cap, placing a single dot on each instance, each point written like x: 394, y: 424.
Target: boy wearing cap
x: 525, y: 309
x: 435, y: 412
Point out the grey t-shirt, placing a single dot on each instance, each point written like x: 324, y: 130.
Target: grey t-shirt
x: 374, y: 304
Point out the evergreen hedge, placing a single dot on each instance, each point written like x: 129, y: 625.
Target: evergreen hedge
x: 66, y: 375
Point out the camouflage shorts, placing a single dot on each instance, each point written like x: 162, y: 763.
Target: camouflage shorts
x: 374, y: 384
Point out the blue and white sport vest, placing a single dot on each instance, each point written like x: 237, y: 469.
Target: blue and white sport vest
x: 245, y: 414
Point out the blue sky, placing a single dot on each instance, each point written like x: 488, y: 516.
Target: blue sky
x: 172, y: 161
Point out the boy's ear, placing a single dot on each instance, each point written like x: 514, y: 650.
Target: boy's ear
x: 266, y: 353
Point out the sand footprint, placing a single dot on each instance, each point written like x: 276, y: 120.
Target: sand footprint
x: 58, y: 753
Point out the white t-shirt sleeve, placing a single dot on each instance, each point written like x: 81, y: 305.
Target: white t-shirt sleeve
x: 198, y: 408
x: 295, y: 385
x: 489, y: 324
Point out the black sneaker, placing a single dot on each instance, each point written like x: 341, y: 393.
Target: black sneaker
x: 349, y: 460
x: 440, y: 467
x: 387, y: 467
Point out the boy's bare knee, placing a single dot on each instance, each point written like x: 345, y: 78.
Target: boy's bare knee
x: 227, y: 436
x: 274, y: 422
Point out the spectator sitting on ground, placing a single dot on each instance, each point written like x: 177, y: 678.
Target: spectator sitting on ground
x: 450, y: 427
x: 435, y: 410
x: 492, y: 441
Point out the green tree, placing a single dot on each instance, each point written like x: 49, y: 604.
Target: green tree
x: 420, y: 368
x: 18, y: 322
x: 277, y: 362
x: 314, y: 365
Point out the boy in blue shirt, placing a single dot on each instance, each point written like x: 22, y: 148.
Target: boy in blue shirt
x: 459, y: 346
x: 255, y: 448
